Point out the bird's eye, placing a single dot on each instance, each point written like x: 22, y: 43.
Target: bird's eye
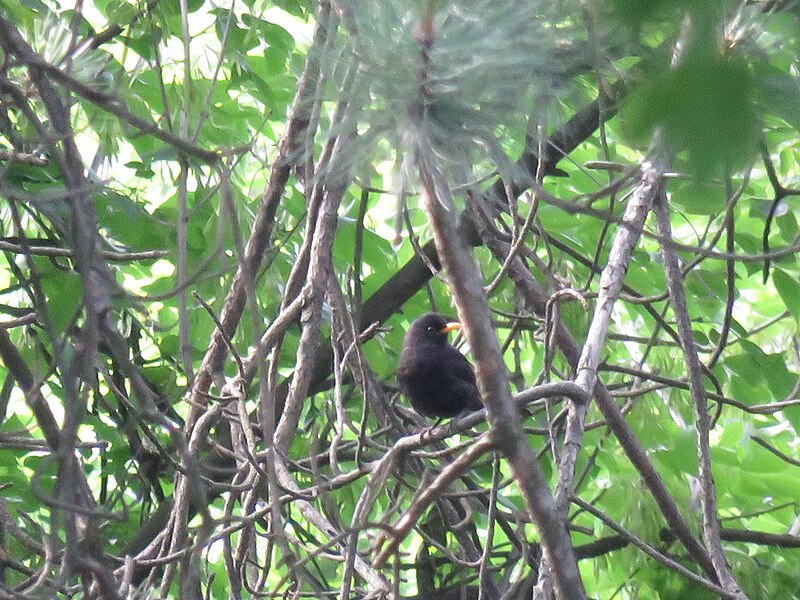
x: 430, y: 328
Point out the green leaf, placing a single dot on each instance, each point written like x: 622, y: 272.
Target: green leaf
x: 63, y: 290
x: 758, y: 377
x: 778, y: 93
x: 681, y: 457
x: 132, y: 226
x: 698, y: 198
x: 703, y: 107
x: 789, y: 290
x: 276, y: 36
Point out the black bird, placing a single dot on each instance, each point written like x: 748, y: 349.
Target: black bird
x: 433, y: 375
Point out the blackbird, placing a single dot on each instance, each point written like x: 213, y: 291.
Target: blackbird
x: 433, y: 375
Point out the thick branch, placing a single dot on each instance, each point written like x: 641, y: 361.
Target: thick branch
x: 506, y: 425
x: 610, y: 286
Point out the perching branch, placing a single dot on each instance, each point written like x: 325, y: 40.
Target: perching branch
x: 465, y: 283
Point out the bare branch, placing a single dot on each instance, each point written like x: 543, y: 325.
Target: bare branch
x: 708, y: 495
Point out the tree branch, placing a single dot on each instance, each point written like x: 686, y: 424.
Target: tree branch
x: 506, y: 427
x: 708, y: 493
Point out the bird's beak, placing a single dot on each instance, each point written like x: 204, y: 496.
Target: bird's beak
x: 451, y: 326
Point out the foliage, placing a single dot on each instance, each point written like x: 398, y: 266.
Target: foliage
x: 215, y: 237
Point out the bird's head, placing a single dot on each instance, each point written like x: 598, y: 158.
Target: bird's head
x: 432, y: 327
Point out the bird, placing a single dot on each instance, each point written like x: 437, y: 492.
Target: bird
x: 435, y: 377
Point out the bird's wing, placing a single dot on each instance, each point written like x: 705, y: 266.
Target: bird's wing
x: 462, y: 368
x: 463, y: 376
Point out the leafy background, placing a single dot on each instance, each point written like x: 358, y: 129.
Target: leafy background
x: 252, y: 167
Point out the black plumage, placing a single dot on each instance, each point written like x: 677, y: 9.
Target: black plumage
x: 435, y: 377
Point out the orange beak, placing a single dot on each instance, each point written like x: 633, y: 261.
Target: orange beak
x: 451, y: 326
